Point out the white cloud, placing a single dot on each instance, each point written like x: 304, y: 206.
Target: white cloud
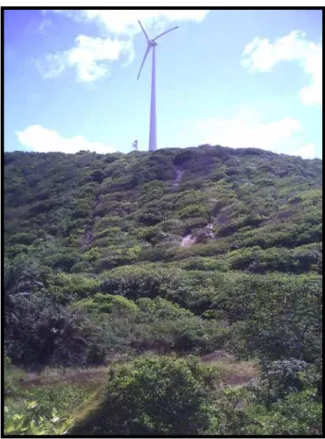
x: 52, y: 66
x: 125, y: 22
x: 239, y: 133
x: 44, y: 24
x: 250, y: 132
x: 90, y: 56
x: 41, y: 139
x: 261, y: 55
x: 306, y: 151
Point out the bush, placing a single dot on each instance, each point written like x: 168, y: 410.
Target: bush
x: 193, y: 210
x: 139, y: 281
x: 107, y: 303
x: 29, y: 423
x: 239, y: 413
x: 153, y: 395
x: 282, y: 377
x: 298, y: 414
x: 66, y: 287
x: 205, y: 264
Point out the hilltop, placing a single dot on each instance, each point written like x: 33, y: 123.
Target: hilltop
x: 174, y: 253
x: 90, y: 212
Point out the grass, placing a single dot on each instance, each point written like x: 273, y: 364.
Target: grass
x: 81, y: 376
x: 88, y: 406
x: 237, y: 374
x: 67, y: 390
x: 77, y: 392
x: 232, y: 372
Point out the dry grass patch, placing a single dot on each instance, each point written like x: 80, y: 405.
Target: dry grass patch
x: 69, y: 376
x: 230, y: 371
x: 237, y: 373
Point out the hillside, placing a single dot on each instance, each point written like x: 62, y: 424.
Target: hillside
x: 174, y: 253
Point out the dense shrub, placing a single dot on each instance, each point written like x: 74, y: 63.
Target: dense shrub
x: 153, y: 395
x: 96, y: 272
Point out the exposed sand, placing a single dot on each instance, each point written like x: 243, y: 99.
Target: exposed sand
x: 187, y: 241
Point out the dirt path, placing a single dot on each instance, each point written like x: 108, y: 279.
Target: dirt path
x: 69, y: 377
x: 188, y: 240
x: 232, y: 372
x: 88, y: 236
x: 179, y: 175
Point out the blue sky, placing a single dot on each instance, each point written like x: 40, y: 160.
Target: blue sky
x: 233, y: 78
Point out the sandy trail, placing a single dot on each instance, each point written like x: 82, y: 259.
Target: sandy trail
x: 190, y: 239
x: 187, y: 241
x: 178, y: 178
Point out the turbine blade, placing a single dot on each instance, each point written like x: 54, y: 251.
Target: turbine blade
x: 145, y: 33
x: 144, y: 58
x: 164, y: 33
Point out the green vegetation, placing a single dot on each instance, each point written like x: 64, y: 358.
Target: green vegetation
x: 109, y: 318
x: 153, y: 395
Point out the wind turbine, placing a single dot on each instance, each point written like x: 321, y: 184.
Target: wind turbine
x: 151, y: 44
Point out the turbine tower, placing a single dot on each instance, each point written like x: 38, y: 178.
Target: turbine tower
x: 151, y: 44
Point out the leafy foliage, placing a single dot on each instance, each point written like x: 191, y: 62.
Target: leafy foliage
x: 153, y: 395
x: 96, y: 269
x: 22, y: 424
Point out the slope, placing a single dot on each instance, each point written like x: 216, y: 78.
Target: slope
x: 96, y: 267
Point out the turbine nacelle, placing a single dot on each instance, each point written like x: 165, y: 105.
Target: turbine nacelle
x: 152, y: 43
